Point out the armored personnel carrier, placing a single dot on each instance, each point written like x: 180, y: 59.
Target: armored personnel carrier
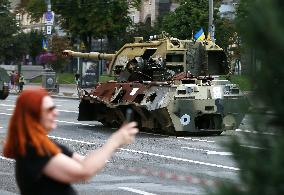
x: 171, y: 85
x: 4, y: 86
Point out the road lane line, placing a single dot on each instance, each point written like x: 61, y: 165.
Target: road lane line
x: 7, y: 105
x: 68, y: 122
x: 5, y: 114
x: 68, y: 111
x: 8, y: 159
x: 255, y: 132
x: 71, y: 140
x: 135, y: 191
x: 163, y: 156
x: 253, y: 147
x: 195, y: 139
x: 158, y: 155
x: 182, y: 159
x: 210, y: 151
x: 55, y: 99
x: 75, y: 123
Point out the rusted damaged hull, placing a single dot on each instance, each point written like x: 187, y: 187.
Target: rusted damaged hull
x: 160, y: 107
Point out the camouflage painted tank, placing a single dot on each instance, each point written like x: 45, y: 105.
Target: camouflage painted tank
x: 170, y: 84
x: 4, y: 84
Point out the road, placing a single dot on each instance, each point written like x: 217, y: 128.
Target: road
x: 154, y: 164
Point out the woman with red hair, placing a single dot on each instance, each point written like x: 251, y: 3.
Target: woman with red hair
x: 42, y: 165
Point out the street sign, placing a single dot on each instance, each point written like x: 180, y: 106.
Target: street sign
x: 49, y: 17
x: 48, y: 30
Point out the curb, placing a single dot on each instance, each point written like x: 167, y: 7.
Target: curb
x: 56, y: 95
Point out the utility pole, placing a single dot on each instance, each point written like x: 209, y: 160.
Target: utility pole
x: 49, y: 19
x: 211, y: 27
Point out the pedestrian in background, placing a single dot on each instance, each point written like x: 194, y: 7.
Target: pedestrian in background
x: 21, y: 83
x: 13, y: 80
x: 42, y: 165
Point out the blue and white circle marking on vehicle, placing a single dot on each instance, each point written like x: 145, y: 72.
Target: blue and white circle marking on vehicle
x: 49, y: 81
x: 185, y: 119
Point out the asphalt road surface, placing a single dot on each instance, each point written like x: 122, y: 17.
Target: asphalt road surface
x: 154, y: 164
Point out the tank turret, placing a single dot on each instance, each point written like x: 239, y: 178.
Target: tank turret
x: 163, y: 52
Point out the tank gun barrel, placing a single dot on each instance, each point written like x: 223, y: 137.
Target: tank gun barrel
x: 91, y: 55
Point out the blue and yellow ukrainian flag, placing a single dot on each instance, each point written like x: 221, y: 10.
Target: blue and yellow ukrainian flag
x: 44, y: 44
x: 199, y: 35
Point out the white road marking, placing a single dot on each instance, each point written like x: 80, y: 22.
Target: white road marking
x: 148, y: 153
x: 8, y: 159
x: 6, y: 114
x: 71, y: 140
x: 9, y: 100
x: 68, y: 111
x: 135, y: 191
x: 195, y: 139
x: 12, y: 105
x: 253, y: 147
x: 75, y: 123
x: 60, y: 100
x: 162, y: 156
x: 68, y: 122
x: 7, y: 105
x: 182, y: 159
x: 210, y: 151
x: 255, y: 132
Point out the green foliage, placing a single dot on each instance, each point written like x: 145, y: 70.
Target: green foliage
x: 105, y: 78
x: 65, y: 78
x: 59, y: 44
x: 189, y: 17
x: 8, y: 31
x: 260, y: 24
x: 243, y: 81
x: 87, y: 19
x: 93, y: 19
x: 35, y: 44
x: 36, y: 8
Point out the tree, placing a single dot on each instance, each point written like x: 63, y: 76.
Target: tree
x: 88, y: 19
x: 8, y: 41
x: 259, y: 21
x: 35, y: 44
x: 59, y: 44
x: 191, y: 15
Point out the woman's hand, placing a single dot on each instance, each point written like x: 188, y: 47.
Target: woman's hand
x: 125, y: 134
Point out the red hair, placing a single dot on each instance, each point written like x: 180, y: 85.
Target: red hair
x: 25, y: 127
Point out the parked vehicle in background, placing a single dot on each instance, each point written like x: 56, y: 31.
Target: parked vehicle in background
x: 4, y: 84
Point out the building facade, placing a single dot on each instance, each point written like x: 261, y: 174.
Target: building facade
x: 150, y: 10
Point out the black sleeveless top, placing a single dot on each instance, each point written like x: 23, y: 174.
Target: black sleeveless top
x: 30, y: 177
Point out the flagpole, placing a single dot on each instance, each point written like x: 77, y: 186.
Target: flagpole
x: 211, y: 28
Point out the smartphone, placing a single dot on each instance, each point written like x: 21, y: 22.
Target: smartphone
x: 129, y: 115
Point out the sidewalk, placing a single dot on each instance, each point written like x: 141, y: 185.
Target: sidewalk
x: 65, y: 90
